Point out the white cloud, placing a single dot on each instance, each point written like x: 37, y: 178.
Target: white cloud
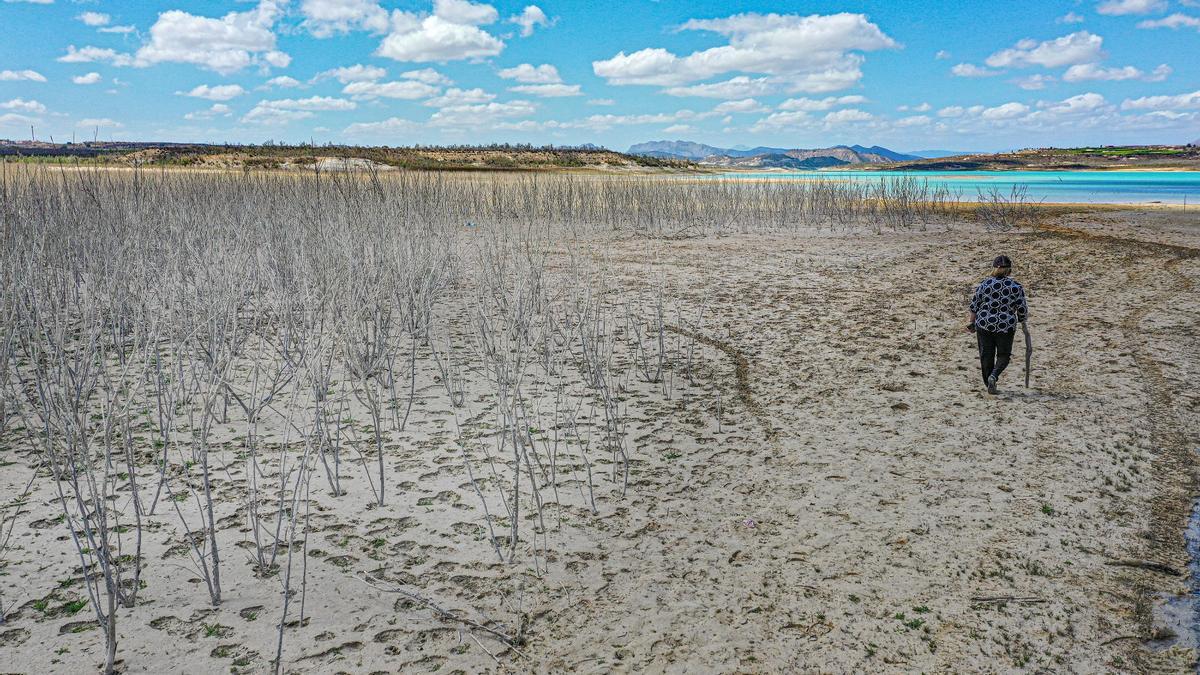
x: 33, y: 2
x: 1178, y: 102
x: 282, y: 82
x: 1122, y: 7
x: 282, y: 111
x: 477, y: 115
x: 217, y: 109
x: 601, y: 101
x: 530, y: 74
x: 225, y: 45
x: 1004, y: 111
x: 220, y: 92
x: 941, y: 55
x: 1069, y: 17
x: 324, y: 18
x: 804, y: 53
x: 407, y: 89
x: 548, y: 90
x: 117, y: 29
x: 1075, y: 105
x: 15, y: 120
x: 913, y: 121
x: 355, y: 73
x: 388, y: 126
x: 457, y: 97
x: 972, y: 70
x: 1094, y: 71
x: 90, y: 78
x: 1174, y: 22
x: 923, y: 107
x: 848, y: 115
x: 1034, y: 82
x: 428, y: 76
x: 19, y: 75
x: 22, y: 105
x: 465, y: 12
x: 529, y: 18
x: 94, y: 19
x: 91, y: 54
x: 1079, y: 47
x: 795, y: 119
x: 102, y: 123
x: 679, y: 129
x: 436, y: 38
x: 736, y: 87
x: 746, y: 105
x: 826, y: 103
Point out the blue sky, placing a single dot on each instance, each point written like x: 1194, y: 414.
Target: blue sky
x: 905, y: 74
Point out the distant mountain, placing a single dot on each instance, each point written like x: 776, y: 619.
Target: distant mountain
x: 767, y: 157
x: 937, y: 154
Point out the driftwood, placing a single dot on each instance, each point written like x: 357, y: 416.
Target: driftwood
x: 988, y: 599
x: 1148, y: 565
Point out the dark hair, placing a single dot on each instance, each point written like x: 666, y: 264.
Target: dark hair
x: 1002, y: 261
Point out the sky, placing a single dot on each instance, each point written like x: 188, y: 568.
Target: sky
x: 908, y: 75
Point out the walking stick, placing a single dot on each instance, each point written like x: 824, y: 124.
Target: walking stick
x: 1028, y: 351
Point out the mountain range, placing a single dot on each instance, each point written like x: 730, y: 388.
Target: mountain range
x: 767, y: 157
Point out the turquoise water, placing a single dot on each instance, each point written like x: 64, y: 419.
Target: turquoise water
x: 1095, y: 187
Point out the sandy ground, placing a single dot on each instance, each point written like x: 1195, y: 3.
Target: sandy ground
x: 860, y: 504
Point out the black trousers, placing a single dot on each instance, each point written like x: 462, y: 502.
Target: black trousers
x: 995, y: 350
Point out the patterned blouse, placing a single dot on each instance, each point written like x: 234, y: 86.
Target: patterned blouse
x: 999, y: 303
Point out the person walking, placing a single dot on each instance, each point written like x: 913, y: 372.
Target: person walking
x: 996, y: 308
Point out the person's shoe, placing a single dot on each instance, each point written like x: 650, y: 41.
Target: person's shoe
x: 991, y: 384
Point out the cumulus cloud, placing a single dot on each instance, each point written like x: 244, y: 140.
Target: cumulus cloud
x: 1075, y: 105
x: 529, y: 18
x: 451, y: 33
x: 548, y: 90
x: 1069, y: 17
x: 428, y: 76
x: 400, y: 89
x: 94, y: 19
x: 91, y: 54
x: 217, y: 110
x: 389, y: 126
x: 827, y: 103
x: 530, y: 74
x: 224, y: 45
x: 1174, y: 22
x: 282, y: 111
x: 100, y: 123
x: 220, y: 92
x: 1004, y: 111
x: 90, y: 78
x: 972, y: 70
x: 324, y: 18
x: 746, y: 105
x: 457, y: 97
x: 1034, y: 82
x: 1078, y: 47
x: 355, y: 73
x: 19, y: 75
x: 1094, y: 71
x: 848, y: 115
x: 1122, y: 7
x: 476, y: 115
x: 815, y: 53
x: 282, y: 82
x: 1177, y: 102
x: 24, y: 106
x: 735, y: 87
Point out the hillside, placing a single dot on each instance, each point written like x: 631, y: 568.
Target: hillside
x: 1060, y: 159
x: 768, y: 157
x: 343, y: 157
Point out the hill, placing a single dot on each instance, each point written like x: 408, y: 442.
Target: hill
x: 342, y: 157
x: 768, y: 157
x: 1109, y: 157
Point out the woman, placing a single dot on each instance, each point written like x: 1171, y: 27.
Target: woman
x: 998, y: 305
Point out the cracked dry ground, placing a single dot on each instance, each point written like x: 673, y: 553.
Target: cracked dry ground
x: 864, y: 507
